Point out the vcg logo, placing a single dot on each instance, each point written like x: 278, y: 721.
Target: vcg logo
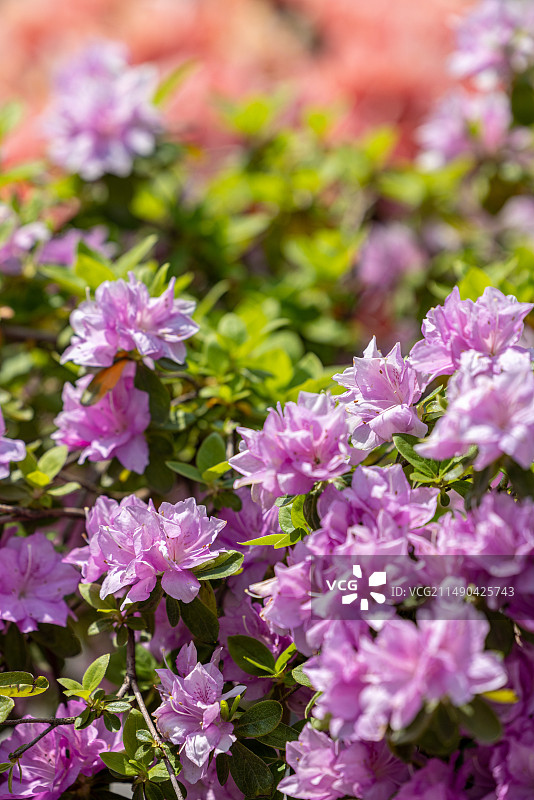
x: 352, y: 591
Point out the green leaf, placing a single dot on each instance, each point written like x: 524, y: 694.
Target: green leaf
x: 91, y: 594
x: 91, y: 271
x: 134, y: 257
x: 285, y: 519
x: 200, y: 620
x: 153, y: 792
x: 297, y: 512
x: 501, y: 696
x: 215, y: 472
x: 301, y: 677
x: 21, y: 684
x: 280, y: 736
x: 119, y: 763
x: 259, y: 720
x: 65, y: 279
x: 404, y: 443
x: 233, y: 329
x: 6, y: 706
x: 57, y: 639
x: 53, y: 461
x: 158, y: 397
x: 38, y: 478
x: 251, y: 775
x: 134, y: 722
x: 186, y: 470
x: 252, y: 656
x: 284, y: 657
x: 172, y: 606
x: 481, y: 720
x: 64, y: 489
x: 95, y: 672
x: 211, y: 452
x: 221, y: 567
x: 222, y: 766
x: 171, y: 82
x: 270, y: 538
x: 118, y: 706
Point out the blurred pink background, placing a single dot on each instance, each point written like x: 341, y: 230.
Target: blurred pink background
x: 385, y: 60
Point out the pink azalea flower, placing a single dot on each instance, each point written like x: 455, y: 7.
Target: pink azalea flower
x: 381, y: 397
x: 10, y: 449
x: 190, y: 714
x: 302, y: 443
x: 91, y: 560
x: 138, y: 543
x: 102, y: 116
x: 490, y: 326
x: 111, y: 428
x: 123, y: 317
x: 33, y: 582
x: 495, y: 412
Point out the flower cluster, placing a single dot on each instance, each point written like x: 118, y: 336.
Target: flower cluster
x: 123, y: 317
x: 382, y: 391
x: 102, y: 115
x: 305, y: 442
x: 190, y: 714
x: 134, y: 544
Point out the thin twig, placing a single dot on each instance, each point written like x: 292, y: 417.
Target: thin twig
x: 14, y: 513
x: 132, y: 676
x: 16, y: 754
x: 10, y: 723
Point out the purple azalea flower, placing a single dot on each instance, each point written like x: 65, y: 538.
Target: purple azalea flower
x: 381, y: 397
x: 390, y: 251
x: 495, y: 412
x: 62, y: 249
x: 512, y: 764
x: 464, y: 124
x: 387, y: 681
x: 33, y: 582
x: 435, y: 781
x: 287, y: 609
x: 16, y: 240
x: 495, y: 40
x: 190, y: 714
x: 314, y: 758
x: 409, y: 664
x: 90, y: 558
x: 55, y: 762
x: 102, y: 115
x: 10, y: 449
x: 490, y: 325
x: 112, y: 427
x: 123, y: 317
x: 139, y: 543
x: 302, y: 443
x: 209, y: 788
x: 378, y: 494
x: 371, y: 771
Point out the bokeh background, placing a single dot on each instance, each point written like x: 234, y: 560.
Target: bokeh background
x: 377, y: 62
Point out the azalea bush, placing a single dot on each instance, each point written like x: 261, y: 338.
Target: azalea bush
x: 266, y: 446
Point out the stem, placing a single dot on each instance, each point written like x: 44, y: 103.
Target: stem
x: 16, y: 754
x: 132, y: 677
x: 20, y: 513
x: 54, y: 721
